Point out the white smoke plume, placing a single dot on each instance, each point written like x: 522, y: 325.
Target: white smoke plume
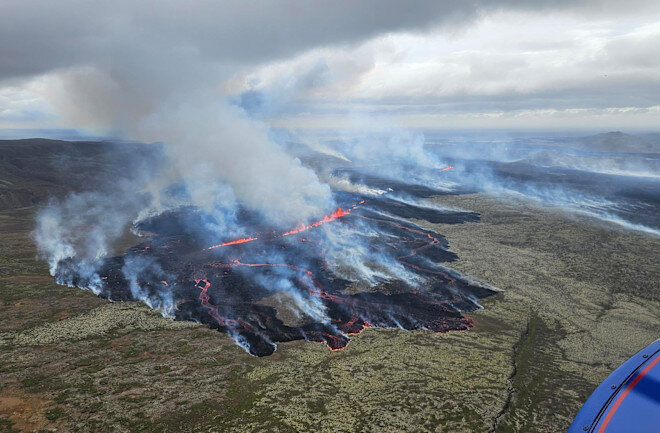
x: 212, y: 144
x: 85, y: 225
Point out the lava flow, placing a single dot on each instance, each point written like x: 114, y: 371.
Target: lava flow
x: 236, y: 242
x: 276, y: 290
x: 326, y: 219
x: 303, y: 227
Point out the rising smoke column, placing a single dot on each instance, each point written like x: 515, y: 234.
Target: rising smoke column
x: 219, y: 161
x: 222, y: 164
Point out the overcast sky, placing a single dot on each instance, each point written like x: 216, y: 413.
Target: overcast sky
x: 320, y: 64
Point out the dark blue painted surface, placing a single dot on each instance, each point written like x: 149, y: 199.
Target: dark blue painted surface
x: 628, y: 400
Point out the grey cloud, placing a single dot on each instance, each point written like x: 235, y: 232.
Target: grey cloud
x: 609, y: 67
x: 152, y: 71
x: 41, y: 35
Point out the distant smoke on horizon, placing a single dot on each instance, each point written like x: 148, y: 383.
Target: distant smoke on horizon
x: 211, y: 82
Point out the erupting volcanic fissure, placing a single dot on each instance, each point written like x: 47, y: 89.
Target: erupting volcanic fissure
x: 236, y: 242
x: 326, y: 219
x: 303, y: 227
x: 371, y: 268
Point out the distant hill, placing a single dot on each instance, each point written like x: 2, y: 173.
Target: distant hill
x: 620, y: 142
x: 33, y: 169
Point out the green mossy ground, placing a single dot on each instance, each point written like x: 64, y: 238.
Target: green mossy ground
x: 577, y: 300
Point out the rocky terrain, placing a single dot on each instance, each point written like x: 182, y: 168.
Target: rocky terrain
x: 577, y: 299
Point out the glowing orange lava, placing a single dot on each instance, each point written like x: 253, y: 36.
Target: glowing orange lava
x: 205, y: 300
x: 303, y: 227
x: 237, y: 241
x: 326, y: 219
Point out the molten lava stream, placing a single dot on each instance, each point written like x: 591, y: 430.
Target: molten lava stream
x: 205, y: 301
x: 236, y: 242
x: 334, y: 342
x: 326, y: 219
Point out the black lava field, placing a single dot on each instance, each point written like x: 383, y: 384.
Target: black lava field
x: 224, y: 285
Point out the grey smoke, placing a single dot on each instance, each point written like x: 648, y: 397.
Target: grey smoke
x: 139, y: 268
x: 85, y: 225
x: 412, y: 158
x: 153, y: 74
